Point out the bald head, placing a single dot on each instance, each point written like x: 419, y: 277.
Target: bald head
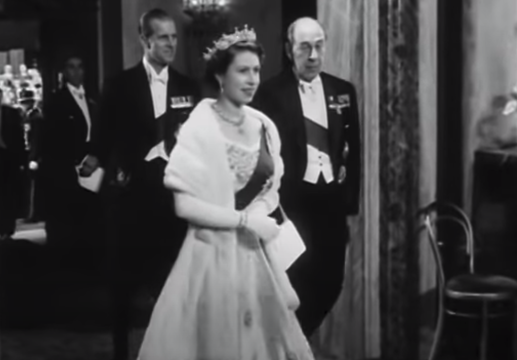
x: 306, y: 47
x: 304, y: 24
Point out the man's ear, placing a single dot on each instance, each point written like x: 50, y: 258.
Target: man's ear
x: 144, y: 41
x: 288, y: 50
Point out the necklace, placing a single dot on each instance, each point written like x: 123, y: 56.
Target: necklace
x: 235, y: 122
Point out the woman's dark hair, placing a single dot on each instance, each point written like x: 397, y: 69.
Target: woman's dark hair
x: 221, y: 59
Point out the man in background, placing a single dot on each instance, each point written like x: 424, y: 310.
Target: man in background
x: 72, y: 213
x: 141, y: 110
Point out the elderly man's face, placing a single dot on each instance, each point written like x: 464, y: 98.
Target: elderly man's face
x: 308, y: 49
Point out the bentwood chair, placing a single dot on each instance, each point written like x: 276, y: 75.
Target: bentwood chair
x: 484, y: 290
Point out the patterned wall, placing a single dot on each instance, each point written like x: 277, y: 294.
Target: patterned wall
x: 399, y: 135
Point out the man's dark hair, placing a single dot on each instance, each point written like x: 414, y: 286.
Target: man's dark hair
x: 69, y: 55
x: 144, y: 25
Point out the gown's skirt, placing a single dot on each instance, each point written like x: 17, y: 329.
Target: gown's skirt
x: 223, y: 301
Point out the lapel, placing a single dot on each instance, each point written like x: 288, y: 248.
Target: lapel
x: 294, y: 109
x: 144, y: 98
x: 92, y: 109
x: 333, y: 118
x: 75, y: 112
x: 79, y: 112
x: 172, y: 87
x: 72, y: 104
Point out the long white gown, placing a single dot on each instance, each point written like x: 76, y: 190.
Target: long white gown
x: 223, y: 300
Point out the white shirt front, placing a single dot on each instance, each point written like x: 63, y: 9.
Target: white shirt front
x: 158, y: 85
x: 314, y: 108
x: 80, y: 98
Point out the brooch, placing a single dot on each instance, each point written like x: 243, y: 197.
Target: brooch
x: 343, y: 101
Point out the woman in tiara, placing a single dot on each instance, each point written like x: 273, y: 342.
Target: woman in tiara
x: 225, y: 299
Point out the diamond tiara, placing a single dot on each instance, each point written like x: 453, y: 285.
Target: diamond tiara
x: 227, y: 40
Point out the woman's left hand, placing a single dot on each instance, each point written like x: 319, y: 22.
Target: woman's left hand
x: 263, y: 226
x: 257, y: 208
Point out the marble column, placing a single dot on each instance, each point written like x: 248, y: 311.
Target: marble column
x: 399, y: 176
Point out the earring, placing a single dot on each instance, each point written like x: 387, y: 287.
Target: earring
x: 221, y: 89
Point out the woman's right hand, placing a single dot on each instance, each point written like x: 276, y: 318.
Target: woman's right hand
x: 263, y: 226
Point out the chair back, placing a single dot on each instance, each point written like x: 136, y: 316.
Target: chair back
x: 431, y: 218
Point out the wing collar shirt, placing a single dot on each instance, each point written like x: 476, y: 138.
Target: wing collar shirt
x: 314, y: 109
x: 158, y: 86
x: 80, y: 98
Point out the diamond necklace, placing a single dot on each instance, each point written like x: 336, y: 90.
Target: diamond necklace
x: 237, y: 123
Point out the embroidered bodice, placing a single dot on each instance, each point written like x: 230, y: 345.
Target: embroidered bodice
x: 243, y: 161
x: 253, y: 168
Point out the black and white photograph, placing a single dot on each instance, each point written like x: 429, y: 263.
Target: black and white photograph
x: 258, y: 179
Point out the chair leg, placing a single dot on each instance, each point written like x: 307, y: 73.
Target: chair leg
x: 484, y: 332
x: 437, y: 335
x: 514, y: 331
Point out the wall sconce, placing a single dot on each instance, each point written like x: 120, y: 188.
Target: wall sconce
x: 206, y: 15
x: 206, y: 21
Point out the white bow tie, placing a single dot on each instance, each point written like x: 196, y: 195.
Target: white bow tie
x: 79, y: 92
x: 308, y: 88
x: 162, y: 78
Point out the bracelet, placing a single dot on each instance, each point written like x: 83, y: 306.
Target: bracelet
x: 245, y: 222
x: 243, y: 219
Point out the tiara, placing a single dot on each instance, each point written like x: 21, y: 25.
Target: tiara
x: 227, y: 40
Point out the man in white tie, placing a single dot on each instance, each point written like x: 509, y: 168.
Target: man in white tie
x: 141, y: 111
x: 318, y: 121
x: 71, y: 212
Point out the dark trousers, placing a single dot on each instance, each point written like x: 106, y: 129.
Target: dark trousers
x: 10, y: 191
x: 145, y: 239
x: 74, y: 225
x: 317, y: 276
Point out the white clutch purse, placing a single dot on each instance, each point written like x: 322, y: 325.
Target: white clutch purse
x: 282, y: 252
x: 287, y: 247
